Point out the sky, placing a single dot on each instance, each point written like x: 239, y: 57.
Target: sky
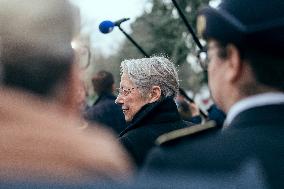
x: 93, y: 12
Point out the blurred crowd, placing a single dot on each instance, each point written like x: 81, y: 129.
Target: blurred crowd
x: 148, y: 133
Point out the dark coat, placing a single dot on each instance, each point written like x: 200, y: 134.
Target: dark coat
x: 254, y: 141
x: 150, y: 122
x: 106, y: 112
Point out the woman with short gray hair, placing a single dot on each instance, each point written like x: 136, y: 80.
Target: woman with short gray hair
x: 147, y: 90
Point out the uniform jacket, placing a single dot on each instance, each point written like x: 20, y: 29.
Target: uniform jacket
x: 150, y: 122
x: 106, y: 112
x: 253, y: 141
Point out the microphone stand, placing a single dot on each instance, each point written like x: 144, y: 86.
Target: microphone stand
x: 187, y: 24
x: 182, y: 92
x: 134, y: 43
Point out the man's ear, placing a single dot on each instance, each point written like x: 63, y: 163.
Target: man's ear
x: 67, y: 92
x: 234, y: 64
x: 155, y: 94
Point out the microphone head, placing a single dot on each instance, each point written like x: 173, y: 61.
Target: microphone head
x: 106, y: 26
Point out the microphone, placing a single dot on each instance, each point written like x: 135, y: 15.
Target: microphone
x: 107, y: 26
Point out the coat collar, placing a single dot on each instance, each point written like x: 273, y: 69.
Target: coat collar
x: 261, y: 115
x: 253, y: 101
x: 154, y: 113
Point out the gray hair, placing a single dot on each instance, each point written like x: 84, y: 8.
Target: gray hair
x: 147, y: 72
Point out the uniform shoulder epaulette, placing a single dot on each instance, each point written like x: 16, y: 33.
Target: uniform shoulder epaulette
x: 184, y: 132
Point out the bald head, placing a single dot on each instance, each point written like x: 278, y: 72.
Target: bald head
x: 35, y: 42
x: 48, y: 25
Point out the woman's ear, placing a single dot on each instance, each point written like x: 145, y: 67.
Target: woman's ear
x: 66, y: 92
x: 155, y: 94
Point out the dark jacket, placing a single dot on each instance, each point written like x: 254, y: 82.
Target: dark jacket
x: 150, y: 122
x: 252, y: 144
x: 106, y: 112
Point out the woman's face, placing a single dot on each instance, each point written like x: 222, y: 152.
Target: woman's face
x: 129, y: 98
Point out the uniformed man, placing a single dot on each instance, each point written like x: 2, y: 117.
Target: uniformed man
x: 246, y: 64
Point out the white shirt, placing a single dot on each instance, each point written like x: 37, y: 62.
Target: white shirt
x: 252, y: 102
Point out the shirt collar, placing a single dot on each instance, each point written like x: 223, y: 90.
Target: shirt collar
x: 251, y: 102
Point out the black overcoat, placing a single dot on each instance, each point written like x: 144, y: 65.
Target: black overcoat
x: 149, y: 123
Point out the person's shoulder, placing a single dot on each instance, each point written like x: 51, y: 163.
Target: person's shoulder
x: 185, y: 133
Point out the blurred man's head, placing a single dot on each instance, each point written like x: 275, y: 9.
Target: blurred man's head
x: 35, y: 45
x: 103, y: 82
x: 245, y: 40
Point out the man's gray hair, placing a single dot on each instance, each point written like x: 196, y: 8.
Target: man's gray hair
x: 148, y: 72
